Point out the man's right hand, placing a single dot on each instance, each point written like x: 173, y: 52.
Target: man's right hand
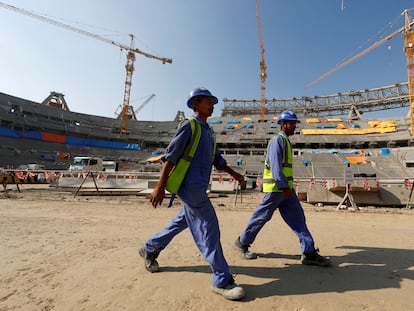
x: 157, y: 196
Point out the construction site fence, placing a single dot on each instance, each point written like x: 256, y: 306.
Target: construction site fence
x: 330, y: 183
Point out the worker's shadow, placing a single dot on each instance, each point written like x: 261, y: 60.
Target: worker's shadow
x: 276, y: 255
x: 362, y: 268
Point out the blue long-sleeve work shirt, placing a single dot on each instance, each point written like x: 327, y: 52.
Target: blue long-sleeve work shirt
x: 198, y: 213
x: 275, y: 151
x: 198, y: 174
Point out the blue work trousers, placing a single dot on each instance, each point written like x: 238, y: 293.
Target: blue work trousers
x: 292, y: 213
x: 204, y: 227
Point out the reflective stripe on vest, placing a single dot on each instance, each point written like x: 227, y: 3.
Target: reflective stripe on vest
x: 269, y: 185
x: 179, y: 171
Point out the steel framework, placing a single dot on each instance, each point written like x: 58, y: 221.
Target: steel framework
x: 351, y: 103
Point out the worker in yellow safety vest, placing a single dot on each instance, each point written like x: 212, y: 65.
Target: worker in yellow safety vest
x: 280, y: 194
x: 188, y: 160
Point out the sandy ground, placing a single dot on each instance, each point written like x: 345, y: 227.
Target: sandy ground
x: 60, y: 252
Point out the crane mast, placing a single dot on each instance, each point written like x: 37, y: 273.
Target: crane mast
x: 409, y: 54
x: 263, y: 74
x: 126, y: 112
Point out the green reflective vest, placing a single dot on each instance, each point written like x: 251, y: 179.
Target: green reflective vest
x: 177, y: 174
x: 269, y: 185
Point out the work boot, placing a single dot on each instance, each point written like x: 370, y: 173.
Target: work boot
x: 243, y: 250
x: 315, y: 259
x: 231, y: 291
x: 150, y: 262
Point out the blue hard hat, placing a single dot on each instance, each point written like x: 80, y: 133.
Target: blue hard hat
x: 287, y: 115
x: 199, y: 91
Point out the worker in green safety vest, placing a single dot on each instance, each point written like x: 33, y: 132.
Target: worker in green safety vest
x: 280, y: 194
x: 198, y: 213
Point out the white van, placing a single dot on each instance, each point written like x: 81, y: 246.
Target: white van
x: 31, y: 167
x: 110, y: 166
x: 86, y: 164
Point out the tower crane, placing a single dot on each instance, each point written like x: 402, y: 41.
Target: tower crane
x: 133, y: 114
x: 140, y: 107
x: 408, y: 31
x: 127, y: 110
x: 263, y: 74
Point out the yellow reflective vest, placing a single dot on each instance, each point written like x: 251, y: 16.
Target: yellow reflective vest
x: 176, y: 177
x: 269, y: 185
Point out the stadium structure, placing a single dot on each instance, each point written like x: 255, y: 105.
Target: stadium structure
x: 332, y: 136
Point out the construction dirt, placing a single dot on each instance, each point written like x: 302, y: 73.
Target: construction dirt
x: 61, y: 252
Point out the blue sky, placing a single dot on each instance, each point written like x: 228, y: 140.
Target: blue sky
x: 213, y: 43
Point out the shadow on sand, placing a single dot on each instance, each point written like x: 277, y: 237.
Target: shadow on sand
x: 362, y: 268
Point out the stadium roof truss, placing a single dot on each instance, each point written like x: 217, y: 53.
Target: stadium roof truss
x: 352, y: 103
